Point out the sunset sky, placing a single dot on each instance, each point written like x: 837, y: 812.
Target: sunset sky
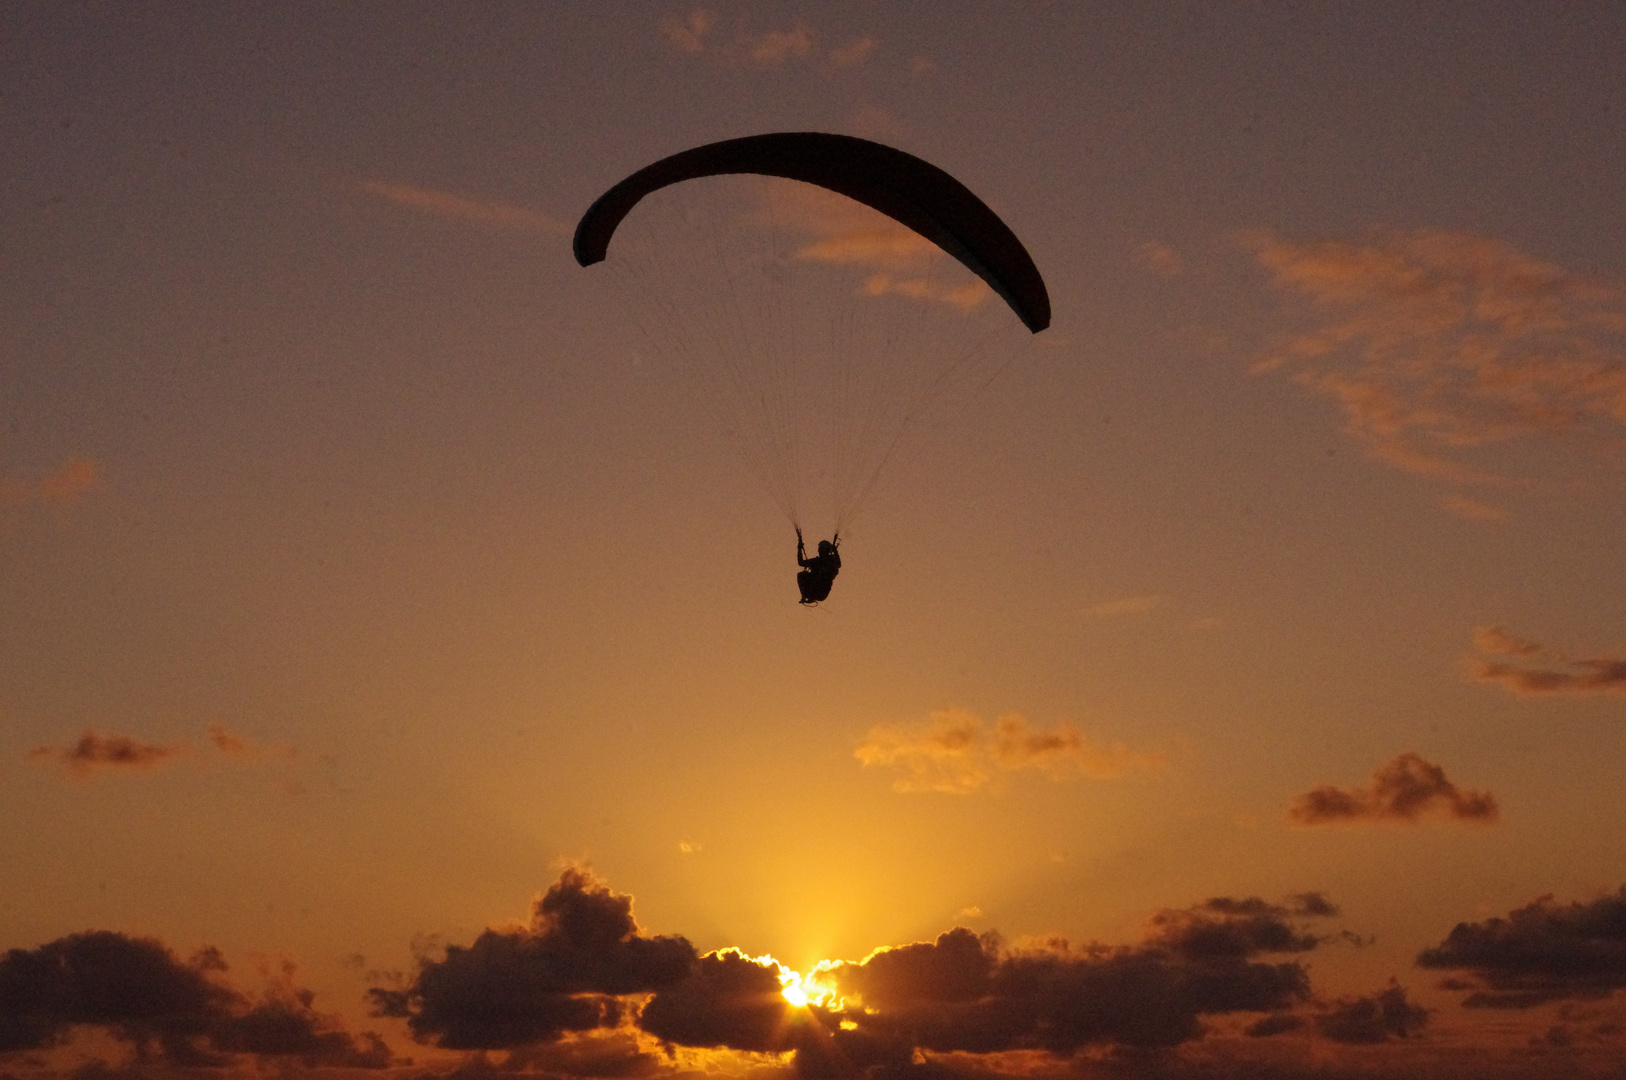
x: 400, y: 667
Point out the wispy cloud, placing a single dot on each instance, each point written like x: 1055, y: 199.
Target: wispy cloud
x: 688, y: 34
x: 1400, y: 792
x: 463, y: 208
x: 1439, y: 346
x: 697, y: 33
x: 839, y: 230
x: 1530, y: 669
x: 777, y: 46
x: 95, y: 752
x: 955, y: 753
x: 853, y: 53
x: 1125, y: 605
x: 1473, y: 509
x: 65, y: 484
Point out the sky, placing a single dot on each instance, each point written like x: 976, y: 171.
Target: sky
x: 401, y: 672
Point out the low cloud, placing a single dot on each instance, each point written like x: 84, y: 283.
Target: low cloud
x: 135, y: 991
x: 1530, y: 669
x: 1375, y: 1018
x: 1440, y: 346
x: 98, y: 752
x: 955, y: 753
x: 1544, y: 951
x: 462, y: 208
x: 1227, y: 927
x: 562, y: 972
x: 65, y: 484
x: 1400, y: 792
x: 967, y: 993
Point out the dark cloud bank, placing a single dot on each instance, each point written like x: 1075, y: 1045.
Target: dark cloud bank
x: 181, y: 1013
x: 581, y: 990
x: 581, y: 964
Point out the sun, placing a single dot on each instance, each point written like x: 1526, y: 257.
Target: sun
x: 803, y: 990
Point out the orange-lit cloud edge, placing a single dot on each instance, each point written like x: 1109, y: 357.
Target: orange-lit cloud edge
x: 1218, y: 988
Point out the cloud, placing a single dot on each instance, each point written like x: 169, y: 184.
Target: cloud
x: 954, y: 753
x: 728, y: 1000
x: 1159, y: 258
x: 447, y: 204
x: 688, y: 34
x: 1401, y: 791
x: 1440, y: 345
x: 1224, y: 927
x: 1529, y: 669
x: 138, y: 993
x: 1473, y: 509
x: 1541, y: 952
x: 777, y: 46
x: 66, y: 484
x: 1374, y: 1018
x: 1127, y: 605
x: 563, y: 972
x: 95, y: 752
x: 967, y: 993
x: 853, y: 53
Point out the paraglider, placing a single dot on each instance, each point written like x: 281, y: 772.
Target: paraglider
x: 819, y: 572
x: 820, y: 329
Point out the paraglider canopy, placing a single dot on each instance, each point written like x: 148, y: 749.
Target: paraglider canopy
x: 912, y: 192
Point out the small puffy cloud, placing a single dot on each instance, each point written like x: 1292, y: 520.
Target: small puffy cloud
x: 1374, y: 1018
x: 853, y: 53
x: 964, y: 296
x: 460, y: 207
x: 955, y: 753
x: 65, y: 484
x: 1159, y: 258
x: 1439, y: 346
x: 1400, y: 791
x: 137, y: 992
x: 101, y: 752
x: 1530, y: 669
x: 1125, y: 605
x: 688, y: 34
x: 563, y: 972
x: 1544, y: 951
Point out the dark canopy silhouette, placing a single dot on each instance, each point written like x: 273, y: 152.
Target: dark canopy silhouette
x: 912, y: 192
